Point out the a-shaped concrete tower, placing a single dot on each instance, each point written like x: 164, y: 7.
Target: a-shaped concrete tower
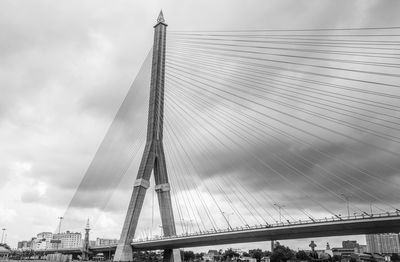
x: 153, y: 158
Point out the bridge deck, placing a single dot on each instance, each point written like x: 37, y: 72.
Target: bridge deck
x: 370, y: 225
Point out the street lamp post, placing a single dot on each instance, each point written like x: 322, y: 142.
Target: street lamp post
x: 347, y: 199
x: 227, y: 218
x: 280, y: 211
x: 184, y: 226
x: 59, y: 230
x: 59, y: 224
x: 2, y: 235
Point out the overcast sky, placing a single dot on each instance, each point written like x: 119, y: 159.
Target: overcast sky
x: 65, y: 69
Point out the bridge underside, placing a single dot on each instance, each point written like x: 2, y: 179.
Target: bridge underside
x: 337, y: 228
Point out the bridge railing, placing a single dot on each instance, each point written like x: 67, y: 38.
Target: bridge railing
x: 276, y: 225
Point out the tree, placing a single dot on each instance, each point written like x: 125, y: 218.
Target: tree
x: 145, y: 256
x: 303, y: 255
x: 353, y: 259
x: 314, y: 255
x: 282, y: 254
x: 229, y: 254
x: 336, y: 258
x: 256, y: 253
x: 188, y: 256
x: 395, y: 257
x: 199, y: 256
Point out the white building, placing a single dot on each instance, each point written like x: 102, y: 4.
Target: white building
x: 42, y: 240
x: 68, y: 240
x: 247, y: 259
x: 105, y: 242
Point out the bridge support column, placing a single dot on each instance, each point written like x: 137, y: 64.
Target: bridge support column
x: 123, y: 253
x: 172, y: 255
x: 153, y: 159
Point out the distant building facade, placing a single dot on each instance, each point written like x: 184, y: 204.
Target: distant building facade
x: 42, y: 241
x: 350, y: 244
x: 367, y: 257
x: 24, y: 244
x: 383, y: 243
x: 361, y: 249
x: 105, y: 242
x: 348, y: 248
x: 68, y: 240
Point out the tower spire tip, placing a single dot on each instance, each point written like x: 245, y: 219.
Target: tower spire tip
x: 87, y: 224
x: 160, y: 18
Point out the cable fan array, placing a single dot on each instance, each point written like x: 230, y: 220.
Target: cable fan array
x: 273, y: 126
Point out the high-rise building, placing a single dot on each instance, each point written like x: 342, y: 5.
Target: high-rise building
x: 383, y: 243
x: 68, y: 240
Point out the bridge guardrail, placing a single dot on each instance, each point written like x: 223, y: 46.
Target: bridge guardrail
x: 276, y: 225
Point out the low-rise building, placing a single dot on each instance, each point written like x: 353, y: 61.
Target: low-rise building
x: 24, y: 244
x: 105, y: 242
x: 4, y: 251
x: 350, y: 244
x: 348, y: 248
x: 247, y: 259
x: 265, y: 259
x: 340, y: 251
x: 361, y: 249
x: 42, y: 241
x: 367, y: 257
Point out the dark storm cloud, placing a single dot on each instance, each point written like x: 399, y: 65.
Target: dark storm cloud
x: 331, y: 165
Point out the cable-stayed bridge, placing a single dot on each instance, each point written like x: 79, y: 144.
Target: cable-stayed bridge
x: 300, y: 229
x: 381, y: 223
x: 266, y: 132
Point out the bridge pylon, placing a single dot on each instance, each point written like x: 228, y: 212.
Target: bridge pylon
x: 153, y: 158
